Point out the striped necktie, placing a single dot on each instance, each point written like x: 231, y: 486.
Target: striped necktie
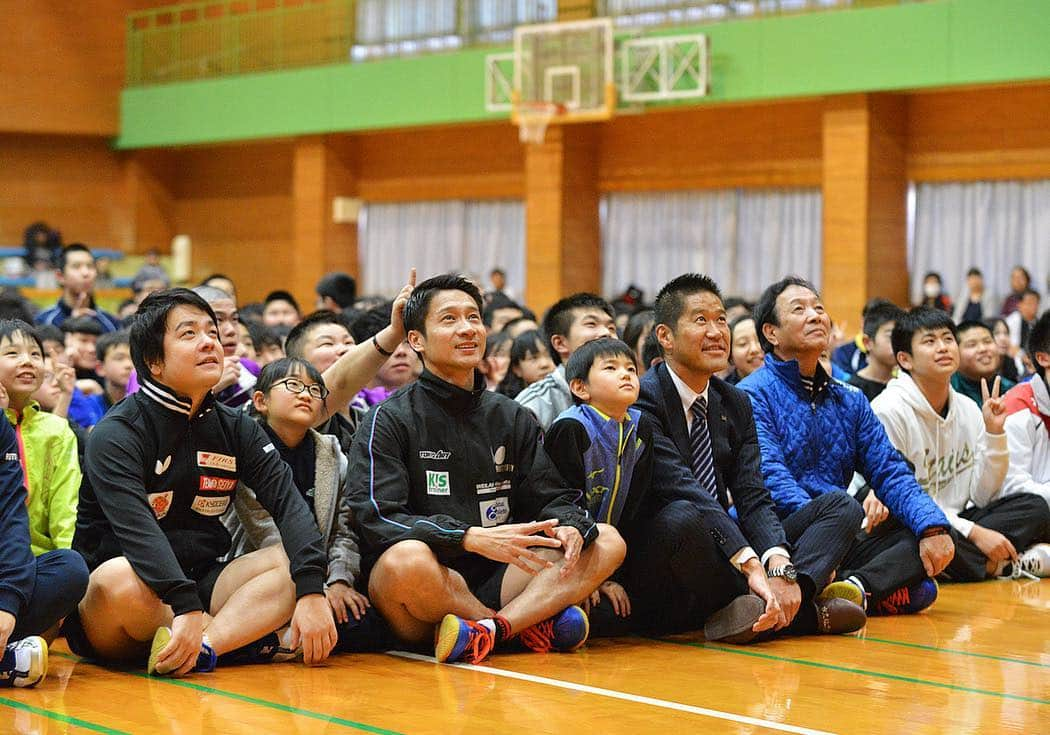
x: 703, y: 463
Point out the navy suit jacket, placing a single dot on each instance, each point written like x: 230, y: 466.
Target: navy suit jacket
x: 738, y: 463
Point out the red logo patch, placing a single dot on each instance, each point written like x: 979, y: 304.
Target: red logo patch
x: 221, y: 484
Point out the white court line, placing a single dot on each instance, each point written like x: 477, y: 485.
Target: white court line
x: 613, y: 694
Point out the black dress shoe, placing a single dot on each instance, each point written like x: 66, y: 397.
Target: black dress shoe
x: 836, y: 616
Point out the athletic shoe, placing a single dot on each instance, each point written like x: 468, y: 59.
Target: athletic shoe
x: 268, y: 649
x: 836, y: 616
x: 1033, y: 564
x: 564, y: 632
x: 206, y: 659
x: 844, y: 590
x: 908, y: 600
x: 24, y: 663
x: 462, y: 640
x: 734, y: 622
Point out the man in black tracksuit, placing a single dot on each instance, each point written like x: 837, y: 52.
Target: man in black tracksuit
x: 449, y: 484
x: 162, y: 467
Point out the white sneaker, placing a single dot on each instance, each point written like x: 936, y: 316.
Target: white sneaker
x: 24, y: 663
x: 1033, y: 564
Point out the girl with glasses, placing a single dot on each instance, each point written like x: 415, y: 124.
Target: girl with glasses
x: 289, y: 400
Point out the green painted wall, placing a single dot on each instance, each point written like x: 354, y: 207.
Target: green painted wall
x: 911, y: 46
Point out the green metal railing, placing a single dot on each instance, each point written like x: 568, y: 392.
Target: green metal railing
x: 224, y: 37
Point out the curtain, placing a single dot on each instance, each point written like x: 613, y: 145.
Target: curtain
x: 744, y: 239
x: 993, y: 225
x: 471, y: 237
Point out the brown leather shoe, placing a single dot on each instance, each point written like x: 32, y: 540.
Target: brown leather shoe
x: 733, y: 623
x: 836, y: 616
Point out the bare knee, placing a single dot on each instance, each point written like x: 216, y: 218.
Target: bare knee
x: 610, y: 545
x: 115, y: 584
x: 407, y: 565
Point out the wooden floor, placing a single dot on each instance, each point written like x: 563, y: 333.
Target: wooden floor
x: 977, y: 662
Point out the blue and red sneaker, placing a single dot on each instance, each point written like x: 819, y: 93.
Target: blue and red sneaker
x: 564, y: 632
x: 907, y: 600
x: 462, y: 640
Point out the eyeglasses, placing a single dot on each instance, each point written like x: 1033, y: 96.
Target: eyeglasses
x: 296, y: 386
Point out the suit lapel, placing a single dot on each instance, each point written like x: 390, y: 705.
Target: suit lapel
x: 675, y: 417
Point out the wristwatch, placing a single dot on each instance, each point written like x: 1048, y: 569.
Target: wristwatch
x: 787, y: 571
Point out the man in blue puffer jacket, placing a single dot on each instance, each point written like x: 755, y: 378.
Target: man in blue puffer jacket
x: 814, y: 433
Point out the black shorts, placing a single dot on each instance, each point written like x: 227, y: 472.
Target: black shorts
x: 205, y: 575
x: 484, y: 578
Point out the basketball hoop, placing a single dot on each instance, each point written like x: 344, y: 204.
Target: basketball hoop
x: 533, y: 119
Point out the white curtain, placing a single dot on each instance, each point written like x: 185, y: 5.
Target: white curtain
x: 744, y: 239
x: 993, y: 225
x: 471, y: 237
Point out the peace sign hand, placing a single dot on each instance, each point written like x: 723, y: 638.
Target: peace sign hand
x: 992, y: 407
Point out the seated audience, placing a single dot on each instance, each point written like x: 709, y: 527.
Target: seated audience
x: 707, y: 467
x: 933, y: 294
x: 974, y: 305
x: 149, y: 527
x: 76, y: 275
x: 521, y: 324
x: 401, y: 366
x: 469, y: 530
x: 37, y: 588
x: 1020, y: 323
x: 82, y: 335
x: 745, y: 352
x: 638, y: 328
x: 223, y: 283
x: 1007, y: 352
x: 958, y: 450
x: 1020, y: 281
x: 288, y: 400
x: 496, y: 362
x: 280, y: 309
x: 530, y: 362
x: 851, y: 357
x: 814, y: 433
x: 500, y: 310
x: 879, y: 321
x: 978, y: 360
x: 336, y: 292
x: 47, y: 446
x: 568, y: 324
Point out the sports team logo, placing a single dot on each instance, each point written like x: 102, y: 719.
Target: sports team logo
x: 160, y: 503
x: 219, y: 484
x: 208, y: 506
x: 494, y: 512
x: 217, y: 461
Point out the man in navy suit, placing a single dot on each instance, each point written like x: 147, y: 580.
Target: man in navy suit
x: 717, y: 535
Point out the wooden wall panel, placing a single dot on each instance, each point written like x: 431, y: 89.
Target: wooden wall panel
x: 467, y: 162
x: 980, y: 134
x: 73, y: 183
x: 713, y: 148
x: 235, y: 203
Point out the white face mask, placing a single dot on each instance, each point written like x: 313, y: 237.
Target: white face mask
x: 932, y: 290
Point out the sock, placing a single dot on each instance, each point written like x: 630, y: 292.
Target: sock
x: 855, y: 581
x: 502, y: 628
x: 206, y: 659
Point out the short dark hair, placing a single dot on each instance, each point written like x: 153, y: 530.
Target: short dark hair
x: 969, y: 324
x: 500, y: 271
x: 296, y: 339
x: 13, y: 305
x: 559, y: 318
x: 282, y: 368
x: 371, y: 322
x: 921, y: 318
x: 1039, y: 341
x: 10, y: 327
x: 499, y: 301
x: 146, y: 334
x: 933, y: 274
x: 670, y: 302
x: 875, y: 315
x: 82, y: 325
x: 262, y: 336
x: 76, y: 247
x: 415, y: 314
x: 49, y: 333
x: 975, y: 271
x: 110, y: 340
x: 766, y: 306
x: 280, y: 295
x: 580, y: 362
x: 1030, y: 292
x: 339, y: 287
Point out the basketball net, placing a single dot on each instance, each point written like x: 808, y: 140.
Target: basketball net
x: 533, y: 119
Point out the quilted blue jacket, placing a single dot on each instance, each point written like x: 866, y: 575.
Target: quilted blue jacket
x: 813, y: 445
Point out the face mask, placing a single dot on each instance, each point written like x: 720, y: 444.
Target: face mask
x: 932, y: 290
